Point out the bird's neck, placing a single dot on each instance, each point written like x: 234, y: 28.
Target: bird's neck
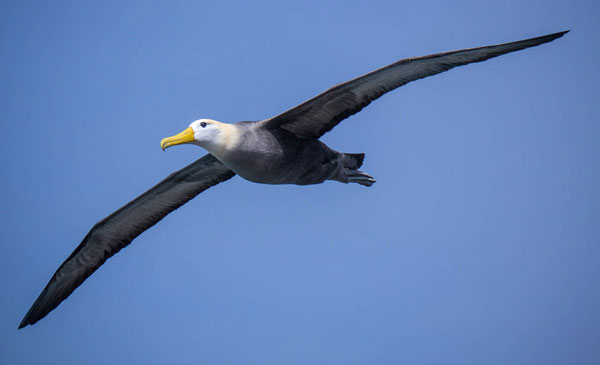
x: 225, y: 141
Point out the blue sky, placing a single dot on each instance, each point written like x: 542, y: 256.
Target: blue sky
x: 479, y: 243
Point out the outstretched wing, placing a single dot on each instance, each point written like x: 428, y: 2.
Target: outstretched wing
x: 320, y: 114
x: 117, y: 230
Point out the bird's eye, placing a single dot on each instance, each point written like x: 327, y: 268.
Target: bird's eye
x: 203, y: 124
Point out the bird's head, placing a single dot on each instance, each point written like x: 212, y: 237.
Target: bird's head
x: 207, y: 133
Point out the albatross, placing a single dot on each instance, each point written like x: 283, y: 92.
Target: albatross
x: 284, y: 149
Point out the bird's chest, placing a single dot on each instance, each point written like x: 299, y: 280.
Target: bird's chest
x: 260, y: 161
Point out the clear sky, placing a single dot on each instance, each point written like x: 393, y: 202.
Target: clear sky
x: 479, y: 243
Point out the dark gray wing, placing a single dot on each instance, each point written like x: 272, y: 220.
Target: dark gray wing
x: 117, y: 230
x: 320, y: 114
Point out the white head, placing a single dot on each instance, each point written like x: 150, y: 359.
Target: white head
x: 210, y: 134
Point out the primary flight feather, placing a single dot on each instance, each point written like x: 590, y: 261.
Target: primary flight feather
x: 281, y: 150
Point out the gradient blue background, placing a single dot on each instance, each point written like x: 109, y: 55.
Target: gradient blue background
x: 479, y: 243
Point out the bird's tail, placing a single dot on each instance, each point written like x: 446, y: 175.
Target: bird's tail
x: 351, y: 163
x: 353, y: 160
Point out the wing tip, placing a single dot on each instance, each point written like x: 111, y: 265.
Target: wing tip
x: 34, y: 313
x: 26, y: 320
x: 560, y: 34
x: 545, y: 38
x: 553, y: 36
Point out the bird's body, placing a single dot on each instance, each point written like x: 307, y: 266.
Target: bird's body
x: 284, y: 149
x: 275, y: 156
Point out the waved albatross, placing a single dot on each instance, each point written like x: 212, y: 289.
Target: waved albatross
x: 281, y: 150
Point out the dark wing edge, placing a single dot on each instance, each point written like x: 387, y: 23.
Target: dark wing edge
x: 319, y: 115
x: 116, y: 231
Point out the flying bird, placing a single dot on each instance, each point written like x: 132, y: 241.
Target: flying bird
x: 284, y: 149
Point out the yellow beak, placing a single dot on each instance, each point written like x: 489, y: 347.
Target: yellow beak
x: 186, y: 136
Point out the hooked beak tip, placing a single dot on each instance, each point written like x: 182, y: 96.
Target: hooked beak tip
x: 187, y: 136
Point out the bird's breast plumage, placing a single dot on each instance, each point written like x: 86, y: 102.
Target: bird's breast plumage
x: 274, y: 157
